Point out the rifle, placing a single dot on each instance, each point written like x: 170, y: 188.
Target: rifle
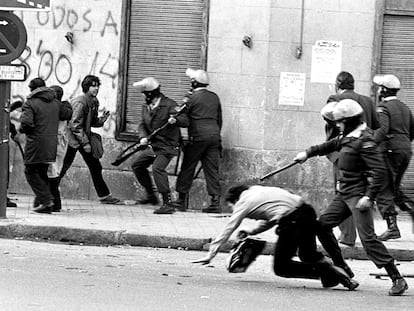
x: 134, y: 148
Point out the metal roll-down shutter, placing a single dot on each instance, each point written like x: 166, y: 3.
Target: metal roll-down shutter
x: 165, y: 38
x: 397, y: 57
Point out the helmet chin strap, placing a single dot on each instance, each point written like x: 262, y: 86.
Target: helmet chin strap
x: 150, y: 95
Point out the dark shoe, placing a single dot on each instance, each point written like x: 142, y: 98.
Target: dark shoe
x: 211, y: 209
x: 109, y: 200
x: 392, y: 232
x: 351, y: 284
x: 165, y: 209
x: 36, y: 202
x: 150, y: 199
x: 399, y: 286
x: 214, y: 206
x: 10, y: 203
x: 54, y: 188
x: 332, y: 275
x: 44, y: 208
x: 345, y: 280
x: 181, y: 204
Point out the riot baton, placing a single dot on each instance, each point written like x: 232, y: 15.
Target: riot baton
x: 279, y: 170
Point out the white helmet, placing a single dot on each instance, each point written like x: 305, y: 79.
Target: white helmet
x: 147, y: 84
x: 327, y: 111
x: 388, y: 81
x: 199, y: 75
x: 346, y: 108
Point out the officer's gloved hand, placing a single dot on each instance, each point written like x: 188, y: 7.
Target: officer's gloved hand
x: 172, y: 120
x: 364, y: 204
x: 87, y: 148
x: 301, y: 157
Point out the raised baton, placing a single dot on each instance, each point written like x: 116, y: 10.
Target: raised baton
x: 278, y: 170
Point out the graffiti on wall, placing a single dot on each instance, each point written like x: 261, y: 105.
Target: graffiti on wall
x: 43, y: 58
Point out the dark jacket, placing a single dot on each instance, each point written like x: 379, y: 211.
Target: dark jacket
x: 397, y: 126
x: 39, y: 121
x: 370, y: 114
x: 79, y: 129
x: 205, y: 115
x: 361, y: 166
x: 167, y: 140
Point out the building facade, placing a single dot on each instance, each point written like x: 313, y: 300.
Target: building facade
x: 272, y: 62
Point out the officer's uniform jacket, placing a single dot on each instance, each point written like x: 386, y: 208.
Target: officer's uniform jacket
x: 369, y: 115
x: 167, y: 140
x: 360, y: 164
x: 397, y: 125
x: 205, y: 115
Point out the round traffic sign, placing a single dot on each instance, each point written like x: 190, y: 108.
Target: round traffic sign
x: 13, y: 37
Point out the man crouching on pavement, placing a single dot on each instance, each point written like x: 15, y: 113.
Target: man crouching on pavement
x: 296, y: 229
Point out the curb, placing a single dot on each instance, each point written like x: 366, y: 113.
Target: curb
x: 122, y: 237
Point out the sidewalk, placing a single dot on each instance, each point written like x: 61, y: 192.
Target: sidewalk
x: 89, y: 222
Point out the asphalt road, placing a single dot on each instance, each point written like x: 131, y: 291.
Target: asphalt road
x: 45, y: 276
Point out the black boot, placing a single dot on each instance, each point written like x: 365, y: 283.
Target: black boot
x: 167, y: 206
x: 392, y: 232
x: 44, y: 208
x: 54, y: 188
x: 214, y: 205
x: 332, y: 275
x: 36, y: 202
x: 399, y: 285
x: 182, y: 202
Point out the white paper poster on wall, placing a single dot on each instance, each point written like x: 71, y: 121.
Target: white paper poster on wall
x: 326, y: 61
x: 292, y: 88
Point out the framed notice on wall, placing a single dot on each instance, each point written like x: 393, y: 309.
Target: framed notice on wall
x: 326, y: 61
x: 292, y: 88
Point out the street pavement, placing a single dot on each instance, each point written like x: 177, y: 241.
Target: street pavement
x: 92, y: 223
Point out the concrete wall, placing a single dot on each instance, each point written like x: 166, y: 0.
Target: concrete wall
x: 95, y: 50
x: 259, y: 135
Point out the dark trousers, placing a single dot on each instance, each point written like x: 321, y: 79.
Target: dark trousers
x: 398, y: 163
x: 95, y: 169
x: 347, y: 227
x: 385, y: 198
x: 297, y: 234
x: 208, y: 152
x: 338, y: 211
x: 159, y: 165
x: 36, y: 176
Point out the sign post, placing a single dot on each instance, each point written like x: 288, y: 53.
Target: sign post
x: 22, y: 5
x: 13, y: 39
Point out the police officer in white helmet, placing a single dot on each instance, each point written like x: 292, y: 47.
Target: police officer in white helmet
x: 394, y: 138
x: 204, y: 142
x: 361, y: 175
x: 162, y: 147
